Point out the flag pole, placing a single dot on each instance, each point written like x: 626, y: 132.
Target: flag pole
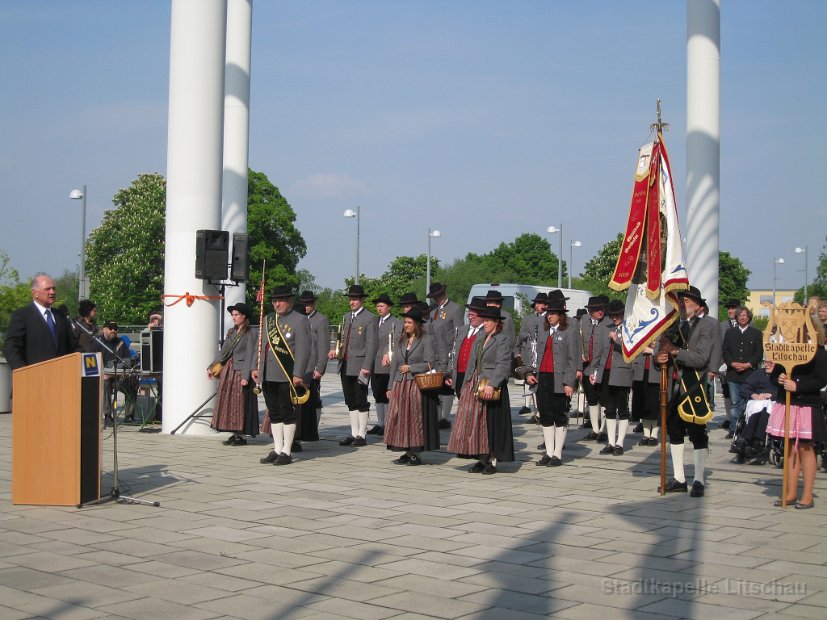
x: 664, y: 382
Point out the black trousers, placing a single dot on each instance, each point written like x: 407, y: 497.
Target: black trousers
x: 677, y: 429
x: 379, y: 385
x: 458, y: 384
x: 553, y: 406
x: 356, y: 393
x: 616, y: 401
x: 592, y: 392
x: 277, y: 398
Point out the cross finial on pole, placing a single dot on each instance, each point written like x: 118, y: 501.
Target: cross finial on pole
x: 660, y: 126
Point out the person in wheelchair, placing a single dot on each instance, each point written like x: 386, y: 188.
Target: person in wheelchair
x: 758, y: 397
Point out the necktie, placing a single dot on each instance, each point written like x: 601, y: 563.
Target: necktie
x: 684, y: 328
x: 52, y: 327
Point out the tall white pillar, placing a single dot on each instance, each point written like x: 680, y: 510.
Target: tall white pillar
x: 703, y: 146
x: 194, y: 166
x: 236, y: 127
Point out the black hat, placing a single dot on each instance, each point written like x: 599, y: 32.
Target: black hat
x: 490, y: 312
x: 557, y: 295
x: 476, y: 303
x: 282, y: 292
x: 425, y: 308
x: 408, y: 299
x: 540, y: 298
x: 356, y: 290
x: 111, y: 325
x: 580, y: 312
x: 307, y: 297
x: 299, y: 307
x: 693, y: 293
x: 383, y: 299
x: 85, y: 306
x: 732, y: 303
x: 494, y: 296
x: 436, y: 290
x: 241, y: 308
x: 596, y: 303
x: 615, y: 307
x: 556, y: 304
x: 604, y: 299
x: 415, y: 313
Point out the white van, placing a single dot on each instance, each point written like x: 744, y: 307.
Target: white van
x: 518, y: 297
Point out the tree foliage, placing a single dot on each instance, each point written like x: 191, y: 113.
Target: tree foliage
x: 14, y: 294
x: 732, y: 281
x: 598, y: 271
x: 125, y: 254
x: 818, y: 287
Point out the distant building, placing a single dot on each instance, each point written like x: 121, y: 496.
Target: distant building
x: 758, y: 297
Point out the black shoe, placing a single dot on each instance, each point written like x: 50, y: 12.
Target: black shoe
x: 607, y: 450
x: 603, y: 438
x: 358, y: 442
x: 617, y: 451
x: 347, y: 440
x: 644, y: 441
x: 240, y: 441
x: 414, y: 459
x: 380, y: 432
x: 375, y: 430
x: 524, y: 410
x: 270, y: 458
x: 283, y: 459
x: 638, y: 428
x: 296, y: 446
x: 673, y: 486
x: 725, y: 424
x: 444, y: 424
x: 730, y: 435
x: 541, y: 446
x: 402, y: 460
x: 697, y: 489
x: 586, y: 423
x: 555, y: 462
x: 489, y: 469
x: 543, y: 462
x: 230, y: 441
x: 590, y: 437
x: 476, y: 468
x: 535, y: 419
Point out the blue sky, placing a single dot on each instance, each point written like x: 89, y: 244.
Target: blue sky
x: 482, y: 119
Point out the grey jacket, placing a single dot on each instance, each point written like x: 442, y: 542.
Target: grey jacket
x: 620, y: 373
x: 594, y: 338
x: 419, y: 357
x: 360, y: 340
x: 566, y: 349
x: 495, y: 358
x: 445, y: 322
x: 244, y: 353
x: 320, y: 335
x: 391, y: 327
x: 296, y: 331
x: 532, y: 324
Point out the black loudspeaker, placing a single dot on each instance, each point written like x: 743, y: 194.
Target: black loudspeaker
x: 211, y: 254
x: 240, y: 267
x: 152, y: 350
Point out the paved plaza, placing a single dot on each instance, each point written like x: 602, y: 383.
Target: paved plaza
x: 345, y: 533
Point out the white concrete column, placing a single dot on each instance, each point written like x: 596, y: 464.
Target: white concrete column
x: 703, y: 146
x: 236, y: 127
x: 194, y: 166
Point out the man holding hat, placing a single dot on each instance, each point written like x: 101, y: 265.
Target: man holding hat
x: 446, y: 319
x: 594, y: 341
x: 284, y: 359
x: 691, y: 356
x: 320, y: 345
x: 360, y: 341
x: 389, y: 329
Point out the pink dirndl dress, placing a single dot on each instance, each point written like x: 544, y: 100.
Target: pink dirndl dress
x: 801, y: 422
x: 469, y: 436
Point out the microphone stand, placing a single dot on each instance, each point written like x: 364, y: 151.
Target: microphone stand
x: 115, y: 493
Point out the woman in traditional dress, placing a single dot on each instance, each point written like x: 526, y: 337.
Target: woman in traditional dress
x: 411, y: 423
x: 236, y: 406
x: 807, y: 427
x: 483, y: 424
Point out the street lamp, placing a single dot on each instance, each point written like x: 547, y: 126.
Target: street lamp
x: 804, y: 252
x: 551, y: 230
x: 352, y: 213
x: 572, y: 245
x: 431, y: 233
x: 80, y: 194
x: 775, y: 261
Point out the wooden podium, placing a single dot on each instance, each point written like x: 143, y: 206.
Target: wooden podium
x: 56, y: 434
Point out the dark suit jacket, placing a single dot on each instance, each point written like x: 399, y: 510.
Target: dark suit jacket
x: 29, y: 341
x: 742, y: 347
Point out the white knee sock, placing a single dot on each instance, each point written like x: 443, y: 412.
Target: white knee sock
x: 548, y: 437
x: 289, y: 434
x: 676, y: 449
x: 622, y: 428
x: 559, y: 440
x: 362, y: 429
x: 655, y: 428
x: 318, y: 416
x: 700, y: 464
x: 380, y: 413
x: 278, y: 437
x: 354, y: 422
x: 594, y: 417
x: 647, y: 428
x: 611, y: 428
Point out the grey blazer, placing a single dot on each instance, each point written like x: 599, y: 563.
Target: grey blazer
x: 244, y: 352
x: 320, y: 336
x: 360, y: 338
x: 701, y: 347
x: 596, y: 337
x: 566, y: 349
x: 496, y: 358
x: 296, y: 331
x: 445, y: 322
x: 527, y: 331
x: 419, y: 357
x: 620, y: 374
x: 390, y: 327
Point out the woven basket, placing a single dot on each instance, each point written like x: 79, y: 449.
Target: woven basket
x: 428, y: 380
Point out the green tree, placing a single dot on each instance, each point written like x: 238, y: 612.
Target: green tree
x: 14, y: 294
x: 125, y: 254
x: 598, y: 271
x: 818, y: 287
x: 528, y: 257
x: 732, y: 281
x: 274, y: 237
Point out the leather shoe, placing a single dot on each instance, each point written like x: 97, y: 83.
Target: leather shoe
x: 414, y: 459
x: 799, y: 505
x: 347, y: 440
x: 673, y: 486
x: 489, y: 469
x: 778, y: 503
x: 476, y: 468
x: 402, y: 460
x: 590, y: 437
x: 638, y: 428
x: 643, y: 442
x: 283, y: 459
x: 730, y: 435
x: 444, y: 424
x: 607, y: 450
x: 603, y: 438
x: 541, y: 446
x: 555, y: 462
x: 230, y: 441
x: 359, y: 442
x: 543, y: 462
x: 523, y: 410
x: 375, y: 430
x: 296, y: 446
x: 725, y: 424
x: 617, y: 451
x: 270, y: 458
x: 240, y: 441
x: 697, y: 489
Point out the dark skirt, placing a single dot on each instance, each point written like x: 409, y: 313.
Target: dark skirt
x: 412, y: 420
x: 482, y: 427
x: 236, y: 406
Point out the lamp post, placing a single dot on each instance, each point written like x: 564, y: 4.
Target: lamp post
x: 775, y: 261
x: 551, y: 230
x: 572, y: 245
x: 431, y: 234
x: 804, y: 252
x: 352, y: 213
x: 80, y: 194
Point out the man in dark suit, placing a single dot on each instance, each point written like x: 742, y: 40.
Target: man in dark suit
x: 743, y: 350
x: 36, y: 332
